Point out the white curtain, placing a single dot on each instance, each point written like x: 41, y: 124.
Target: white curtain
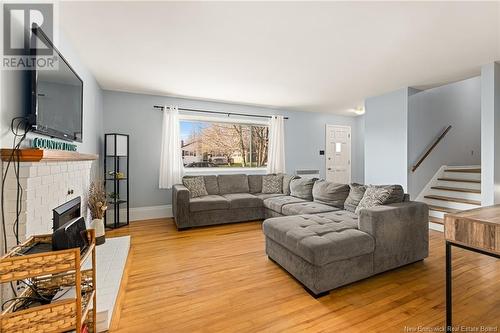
x: 276, y: 153
x: 171, y: 166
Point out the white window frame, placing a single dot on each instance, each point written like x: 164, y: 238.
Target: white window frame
x: 229, y: 119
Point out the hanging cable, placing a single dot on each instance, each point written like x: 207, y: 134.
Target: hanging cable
x: 14, y: 157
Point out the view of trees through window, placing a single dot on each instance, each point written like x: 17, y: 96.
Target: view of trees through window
x: 219, y: 144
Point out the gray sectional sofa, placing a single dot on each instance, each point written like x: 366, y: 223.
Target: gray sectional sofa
x: 320, y: 243
x: 231, y: 198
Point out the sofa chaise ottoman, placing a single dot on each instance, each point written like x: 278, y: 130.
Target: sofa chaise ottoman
x: 327, y: 250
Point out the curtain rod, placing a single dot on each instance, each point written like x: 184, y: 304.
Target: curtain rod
x: 217, y: 112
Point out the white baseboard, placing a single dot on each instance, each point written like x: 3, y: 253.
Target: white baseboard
x: 147, y: 213
x: 437, y: 227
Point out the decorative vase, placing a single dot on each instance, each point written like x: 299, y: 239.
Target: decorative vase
x: 100, y: 231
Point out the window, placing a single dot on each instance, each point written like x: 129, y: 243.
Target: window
x: 212, y: 144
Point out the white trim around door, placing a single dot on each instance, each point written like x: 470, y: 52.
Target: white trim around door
x: 338, y: 166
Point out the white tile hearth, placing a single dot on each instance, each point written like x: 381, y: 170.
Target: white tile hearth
x: 111, y: 258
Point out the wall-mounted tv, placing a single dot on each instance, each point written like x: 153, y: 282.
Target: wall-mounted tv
x: 56, y: 96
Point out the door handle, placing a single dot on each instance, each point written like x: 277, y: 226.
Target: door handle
x: 329, y: 169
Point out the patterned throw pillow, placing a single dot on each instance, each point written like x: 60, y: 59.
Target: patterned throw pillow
x: 272, y: 184
x: 355, y: 195
x: 397, y: 193
x: 374, y: 196
x: 195, y: 185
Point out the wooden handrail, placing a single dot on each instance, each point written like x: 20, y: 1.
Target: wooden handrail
x: 431, y: 148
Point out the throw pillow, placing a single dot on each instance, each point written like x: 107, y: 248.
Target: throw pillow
x: 195, y: 185
x: 302, y: 188
x: 374, y: 196
x: 331, y: 194
x: 396, y: 193
x: 355, y: 195
x: 286, y: 183
x: 272, y: 184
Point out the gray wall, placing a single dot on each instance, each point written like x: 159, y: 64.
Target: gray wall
x: 134, y: 114
x: 490, y: 134
x: 359, y: 152
x: 400, y: 125
x: 386, y: 138
x: 430, y: 111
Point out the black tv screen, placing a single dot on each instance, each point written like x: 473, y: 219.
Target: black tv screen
x: 57, y: 97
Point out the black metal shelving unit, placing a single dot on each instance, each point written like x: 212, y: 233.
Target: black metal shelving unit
x: 116, y: 149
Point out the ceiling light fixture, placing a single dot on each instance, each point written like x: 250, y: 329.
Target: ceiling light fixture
x: 359, y: 110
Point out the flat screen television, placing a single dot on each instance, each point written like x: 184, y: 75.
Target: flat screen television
x: 56, y: 96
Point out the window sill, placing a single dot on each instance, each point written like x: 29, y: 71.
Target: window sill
x: 224, y: 171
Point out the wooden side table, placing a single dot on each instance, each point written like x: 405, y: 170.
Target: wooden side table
x: 476, y: 230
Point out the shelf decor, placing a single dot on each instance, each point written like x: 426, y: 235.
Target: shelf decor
x: 116, y: 176
x: 97, y: 205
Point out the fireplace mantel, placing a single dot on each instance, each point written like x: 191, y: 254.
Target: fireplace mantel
x: 47, y: 155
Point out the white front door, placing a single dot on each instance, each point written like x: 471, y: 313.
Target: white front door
x: 338, y: 154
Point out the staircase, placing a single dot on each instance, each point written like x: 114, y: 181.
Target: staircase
x: 452, y: 189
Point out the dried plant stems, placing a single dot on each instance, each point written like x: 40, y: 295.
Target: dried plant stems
x: 97, y: 200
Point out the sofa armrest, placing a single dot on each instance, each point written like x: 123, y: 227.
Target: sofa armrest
x: 401, y: 233
x: 180, y: 205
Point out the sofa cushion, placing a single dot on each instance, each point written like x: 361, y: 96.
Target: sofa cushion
x: 356, y: 193
x: 208, y: 202
x: 348, y: 219
x: 306, y: 207
x: 318, y: 240
x: 211, y: 184
x: 272, y: 184
x: 277, y: 203
x: 302, y: 188
x: 286, y: 183
x: 328, y: 193
x: 195, y: 185
x: 233, y: 184
x: 255, y: 183
x: 242, y: 200
x: 264, y: 196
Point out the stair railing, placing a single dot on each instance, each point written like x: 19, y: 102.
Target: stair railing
x: 429, y: 150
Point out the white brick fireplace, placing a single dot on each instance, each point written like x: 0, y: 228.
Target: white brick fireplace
x: 49, y: 179
x: 45, y: 185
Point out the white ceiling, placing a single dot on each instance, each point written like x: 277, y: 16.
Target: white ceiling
x: 308, y: 56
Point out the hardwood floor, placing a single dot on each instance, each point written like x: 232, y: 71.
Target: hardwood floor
x: 218, y: 279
